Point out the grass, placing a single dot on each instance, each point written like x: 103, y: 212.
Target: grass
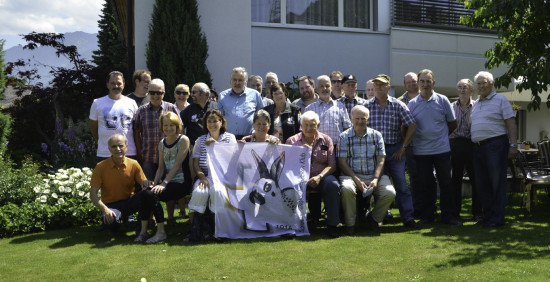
x: 518, y: 251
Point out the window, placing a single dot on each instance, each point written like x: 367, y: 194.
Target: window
x: 330, y: 13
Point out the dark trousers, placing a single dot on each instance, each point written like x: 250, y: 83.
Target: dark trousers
x: 462, y: 157
x: 415, y: 181
x: 490, y: 164
x: 330, y: 188
x: 144, y: 201
x: 427, y: 191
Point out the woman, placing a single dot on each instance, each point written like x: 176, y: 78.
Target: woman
x: 261, y: 126
x: 181, y: 94
x: 285, y: 117
x: 214, y: 125
x: 213, y: 95
x: 172, y: 151
x: 323, y: 165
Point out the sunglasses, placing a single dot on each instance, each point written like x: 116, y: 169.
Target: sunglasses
x: 181, y: 93
x: 336, y: 81
x: 156, y: 92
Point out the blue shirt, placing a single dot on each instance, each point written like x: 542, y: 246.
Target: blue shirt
x: 333, y: 118
x: 432, y: 116
x: 361, y: 151
x: 239, y: 110
x: 388, y: 120
x: 488, y: 117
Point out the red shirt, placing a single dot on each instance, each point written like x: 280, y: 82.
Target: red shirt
x: 322, y: 151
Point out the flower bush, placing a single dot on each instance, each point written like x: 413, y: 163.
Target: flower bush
x: 58, y: 200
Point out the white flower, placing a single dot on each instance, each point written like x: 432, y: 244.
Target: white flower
x: 56, y: 182
x: 81, y: 193
x: 46, y: 180
x: 61, y: 189
x: 37, y: 189
x: 60, y: 201
x: 54, y: 195
x: 37, y: 199
x: 43, y: 198
x: 46, y: 191
x: 68, y: 189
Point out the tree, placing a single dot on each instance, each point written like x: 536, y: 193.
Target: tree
x: 3, y: 79
x: 112, y: 54
x: 523, y: 29
x: 177, y: 48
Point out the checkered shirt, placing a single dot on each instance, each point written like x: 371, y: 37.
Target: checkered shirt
x: 352, y: 103
x: 333, y: 118
x: 388, y: 120
x: 361, y: 151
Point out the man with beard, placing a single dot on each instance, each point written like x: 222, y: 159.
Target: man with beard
x: 307, y: 92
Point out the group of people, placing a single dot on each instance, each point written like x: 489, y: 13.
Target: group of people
x: 360, y: 148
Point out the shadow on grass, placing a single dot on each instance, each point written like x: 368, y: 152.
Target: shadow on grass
x: 524, y: 237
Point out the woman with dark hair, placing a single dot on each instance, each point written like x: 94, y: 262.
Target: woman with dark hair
x: 214, y: 126
x: 261, y: 124
x: 285, y: 117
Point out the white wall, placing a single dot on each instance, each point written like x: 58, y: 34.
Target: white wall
x: 143, y: 11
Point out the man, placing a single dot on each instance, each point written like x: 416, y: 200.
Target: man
x: 192, y: 115
x: 141, y: 79
x: 239, y: 103
x: 115, y: 177
x: 308, y: 96
x: 411, y: 86
x: 111, y: 114
x: 333, y: 116
x: 147, y: 132
x: 462, y: 148
x: 270, y: 80
x: 336, y: 83
x: 323, y: 166
x: 369, y: 89
x: 350, y: 99
x: 387, y: 115
x: 361, y: 157
x: 494, y: 134
x: 255, y: 82
x: 435, y: 120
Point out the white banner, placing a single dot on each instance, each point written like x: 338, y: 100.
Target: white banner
x: 260, y: 189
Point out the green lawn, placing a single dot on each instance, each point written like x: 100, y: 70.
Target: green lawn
x: 518, y: 251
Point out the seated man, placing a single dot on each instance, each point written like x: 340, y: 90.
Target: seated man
x: 361, y: 157
x: 115, y: 177
x: 323, y: 165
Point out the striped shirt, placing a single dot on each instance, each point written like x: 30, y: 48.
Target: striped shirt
x: 352, y: 103
x: 333, y: 118
x: 146, y: 120
x: 199, y: 151
x: 463, y: 121
x: 361, y: 151
x: 389, y: 119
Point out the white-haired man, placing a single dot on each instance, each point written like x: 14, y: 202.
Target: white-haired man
x: 494, y: 134
x: 147, y: 133
x: 270, y: 80
x: 239, y: 103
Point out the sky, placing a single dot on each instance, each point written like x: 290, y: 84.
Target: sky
x: 59, y: 16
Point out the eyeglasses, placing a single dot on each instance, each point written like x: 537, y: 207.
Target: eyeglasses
x: 195, y: 92
x: 181, y: 92
x: 156, y: 92
x: 336, y: 81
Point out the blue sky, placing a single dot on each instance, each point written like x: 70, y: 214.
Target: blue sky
x: 60, y: 16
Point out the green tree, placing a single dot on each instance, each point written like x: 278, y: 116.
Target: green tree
x: 3, y: 78
x: 177, y: 47
x: 523, y: 29
x: 112, y: 54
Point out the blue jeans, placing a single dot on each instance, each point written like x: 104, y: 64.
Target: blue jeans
x: 427, y: 190
x: 330, y: 187
x: 396, y: 170
x: 490, y: 165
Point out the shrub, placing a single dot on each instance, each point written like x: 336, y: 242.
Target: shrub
x: 16, y: 185
x: 5, y: 129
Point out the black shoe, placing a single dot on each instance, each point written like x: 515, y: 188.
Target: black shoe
x: 289, y: 236
x: 411, y: 224
x: 478, y: 220
x: 452, y: 222
x: 388, y: 217
x: 332, y: 232
x: 492, y: 225
x: 372, y: 224
x: 423, y: 222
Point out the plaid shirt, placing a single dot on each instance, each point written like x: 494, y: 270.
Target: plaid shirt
x: 352, y: 103
x: 361, y: 151
x: 388, y: 120
x: 333, y: 118
x: 405, y: 98
x: 322, y: 151
x: 146, y: 120
x: 463, y: 121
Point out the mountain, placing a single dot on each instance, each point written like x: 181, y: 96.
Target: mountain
x: 44, y: 56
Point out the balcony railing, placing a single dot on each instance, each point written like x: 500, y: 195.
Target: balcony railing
x: 443, y: 14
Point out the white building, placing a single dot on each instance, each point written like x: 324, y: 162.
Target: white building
x: 360, y: 37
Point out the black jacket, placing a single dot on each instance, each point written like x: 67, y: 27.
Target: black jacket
x: 289, y: 119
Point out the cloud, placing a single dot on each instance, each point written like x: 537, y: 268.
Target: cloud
x: 25, y: 16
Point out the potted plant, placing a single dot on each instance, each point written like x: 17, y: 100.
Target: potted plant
x: 527, y: 145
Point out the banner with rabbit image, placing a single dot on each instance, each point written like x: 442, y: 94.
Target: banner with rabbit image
x: 259, y: 189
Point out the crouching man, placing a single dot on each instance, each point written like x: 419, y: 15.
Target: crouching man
x: 116, y: 177
x: 361, y: 157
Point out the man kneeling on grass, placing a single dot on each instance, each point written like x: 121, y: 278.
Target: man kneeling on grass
x: 116, y: 177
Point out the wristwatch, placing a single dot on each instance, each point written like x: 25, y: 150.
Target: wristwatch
x: 165, y: 182
x: 514, y: 145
